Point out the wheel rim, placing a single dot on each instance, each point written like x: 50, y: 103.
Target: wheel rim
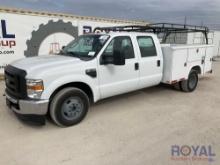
x: 192, y: 81
x: 72, y: 108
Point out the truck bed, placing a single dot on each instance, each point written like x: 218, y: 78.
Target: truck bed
x: 179, y: 60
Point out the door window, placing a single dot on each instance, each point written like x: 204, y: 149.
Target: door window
x: 147, y: 46
x: 120, y: 44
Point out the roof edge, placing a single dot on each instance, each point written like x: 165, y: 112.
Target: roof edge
x: 70, y: 16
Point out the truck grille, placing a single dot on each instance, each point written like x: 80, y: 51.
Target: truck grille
x: 15, y: 82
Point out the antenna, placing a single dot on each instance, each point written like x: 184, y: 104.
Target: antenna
x: 185, y: 20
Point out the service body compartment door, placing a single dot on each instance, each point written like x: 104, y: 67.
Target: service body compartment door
x: 208, y: 59
x: 196, y: 54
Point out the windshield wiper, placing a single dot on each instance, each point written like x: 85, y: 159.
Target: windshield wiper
x: 72, y: 54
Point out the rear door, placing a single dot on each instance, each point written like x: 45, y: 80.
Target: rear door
x: 150, y: 62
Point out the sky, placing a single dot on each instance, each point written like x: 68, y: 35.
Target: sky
x: 197, y: 12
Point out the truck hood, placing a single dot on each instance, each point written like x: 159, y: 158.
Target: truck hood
x: 41, y: 63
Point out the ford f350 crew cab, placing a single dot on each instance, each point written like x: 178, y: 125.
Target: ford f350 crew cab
x: 97, y: 66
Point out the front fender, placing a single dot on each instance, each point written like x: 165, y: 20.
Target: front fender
x: 51, y: 86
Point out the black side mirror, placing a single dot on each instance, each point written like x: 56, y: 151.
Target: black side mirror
x: 107, y: 59
x: 119, y: 58
x: 63, y: 47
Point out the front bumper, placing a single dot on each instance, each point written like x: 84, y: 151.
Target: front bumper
x: 27, y: 107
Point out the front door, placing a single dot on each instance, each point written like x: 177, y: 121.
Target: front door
x: 117, y: 79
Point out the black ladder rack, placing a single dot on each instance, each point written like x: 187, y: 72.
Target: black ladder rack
x: 166, y: 28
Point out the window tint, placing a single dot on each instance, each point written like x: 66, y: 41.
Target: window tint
x: 147, y: 47
x: 122, y: 45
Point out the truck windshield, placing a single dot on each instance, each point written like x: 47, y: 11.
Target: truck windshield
x: 86, y: 46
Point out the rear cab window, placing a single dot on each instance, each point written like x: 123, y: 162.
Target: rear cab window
x: 146, y: 46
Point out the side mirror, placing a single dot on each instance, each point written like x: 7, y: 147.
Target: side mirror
x: 63, y: 47
x: 106, y: 59
x: 118, y: 58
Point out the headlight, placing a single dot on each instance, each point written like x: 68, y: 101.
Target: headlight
x: 34, y: 88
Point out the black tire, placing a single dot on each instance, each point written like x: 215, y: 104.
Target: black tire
x: 69, y: 107
x: 191, y: 83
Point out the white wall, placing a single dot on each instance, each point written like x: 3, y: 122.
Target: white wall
x: 23, y: 26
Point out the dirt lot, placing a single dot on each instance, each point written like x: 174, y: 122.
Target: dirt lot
x: 138, y: 128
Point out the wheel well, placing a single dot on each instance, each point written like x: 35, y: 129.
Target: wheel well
x: 197, y: 69
x: 84, y: 87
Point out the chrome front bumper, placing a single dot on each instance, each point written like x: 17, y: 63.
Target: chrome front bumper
x: 27, y: 107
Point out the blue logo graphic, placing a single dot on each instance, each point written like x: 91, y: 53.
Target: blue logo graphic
x: 5, y: 34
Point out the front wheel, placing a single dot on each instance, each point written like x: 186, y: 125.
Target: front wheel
x: 69, y: 107
x: 191, y: 83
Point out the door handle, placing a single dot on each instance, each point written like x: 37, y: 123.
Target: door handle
x: 158, y: 63
x: 136, y: 66
x: 203, y: 60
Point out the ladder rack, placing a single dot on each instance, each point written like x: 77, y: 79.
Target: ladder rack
x: 166, y: 28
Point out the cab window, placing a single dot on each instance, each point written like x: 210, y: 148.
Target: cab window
x: 147, y: 46
x: 120, y: 44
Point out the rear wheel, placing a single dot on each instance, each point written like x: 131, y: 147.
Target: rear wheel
x: 69, y: 107
x: 190, y: 84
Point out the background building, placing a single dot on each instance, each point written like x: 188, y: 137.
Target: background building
x: 26, y: 33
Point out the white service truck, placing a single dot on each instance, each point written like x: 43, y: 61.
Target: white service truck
x: 97, y: 66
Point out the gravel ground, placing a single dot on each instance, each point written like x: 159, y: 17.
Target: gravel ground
x: 133, y: 129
